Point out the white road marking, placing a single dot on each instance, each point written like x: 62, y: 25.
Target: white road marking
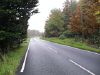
x: 82, y: 67
x: 52, y: 49
x: 23, y: 66
x: 96, y: 53
x: 74, y: 48
x: 91, y: 52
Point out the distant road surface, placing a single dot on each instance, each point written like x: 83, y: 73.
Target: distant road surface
x: 47, y: 58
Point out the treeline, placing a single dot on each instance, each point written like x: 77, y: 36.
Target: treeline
x: 79, y: 20
x: 34, y: 33
x: 14, y: 15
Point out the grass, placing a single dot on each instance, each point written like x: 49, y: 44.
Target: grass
x: 12, y: 60
x: 73, y: 43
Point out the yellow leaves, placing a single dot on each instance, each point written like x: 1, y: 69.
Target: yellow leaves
x: 86, y: 21
x: 97, y: 16
x: 97, y: 13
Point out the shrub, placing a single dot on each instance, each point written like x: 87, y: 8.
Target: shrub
x: 62, y: 36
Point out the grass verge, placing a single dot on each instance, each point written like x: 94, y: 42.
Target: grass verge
x: 12, y: 60
x: 73, y: 43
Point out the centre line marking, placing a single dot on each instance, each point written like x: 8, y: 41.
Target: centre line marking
x: 52, y: 49
x: 81, y: 67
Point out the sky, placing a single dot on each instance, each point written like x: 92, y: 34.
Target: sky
x: 37, y: 21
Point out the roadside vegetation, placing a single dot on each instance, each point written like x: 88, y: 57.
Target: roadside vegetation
x: 71, y: 42
x: 14, y: 15
x: 12, y: 60
x: 77, y: 25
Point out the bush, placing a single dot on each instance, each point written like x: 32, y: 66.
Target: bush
x: 62, y: 36
x: 67, y: 34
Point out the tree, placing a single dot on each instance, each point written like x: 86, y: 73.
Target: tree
x: 13, y: 22
x: 54, y: 24
x: 69, y: 10
x: 66, y: 12
x: 75, y: 23
x: 84, y: 21
x: 34, y: 33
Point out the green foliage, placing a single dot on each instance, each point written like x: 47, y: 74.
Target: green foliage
x: 69, y: 9
x: 80, y: 20
x: 12, y: 60
x: 62, y: 36
x: 98, y: 16
x: 68, y: 34
x: 72, y: 6
x: 14, y: 15
x: 54, y: 24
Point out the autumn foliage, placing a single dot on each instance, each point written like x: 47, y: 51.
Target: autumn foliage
x: 82, y: 21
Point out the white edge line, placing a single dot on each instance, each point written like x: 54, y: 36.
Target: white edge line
x: 74, y: 47
x: 80, y: 49
x: 23, y: 66
x: 81, y: 67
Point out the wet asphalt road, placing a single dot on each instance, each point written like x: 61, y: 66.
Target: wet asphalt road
x: 47, y: 58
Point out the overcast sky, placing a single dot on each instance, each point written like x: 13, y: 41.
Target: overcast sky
x: 37, y: 21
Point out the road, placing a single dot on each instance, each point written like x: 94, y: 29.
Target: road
x: 47, y: 58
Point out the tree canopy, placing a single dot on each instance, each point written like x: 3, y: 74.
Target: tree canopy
x: 81, y: 20
x: 55, y: 23
x: 14, y: 15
